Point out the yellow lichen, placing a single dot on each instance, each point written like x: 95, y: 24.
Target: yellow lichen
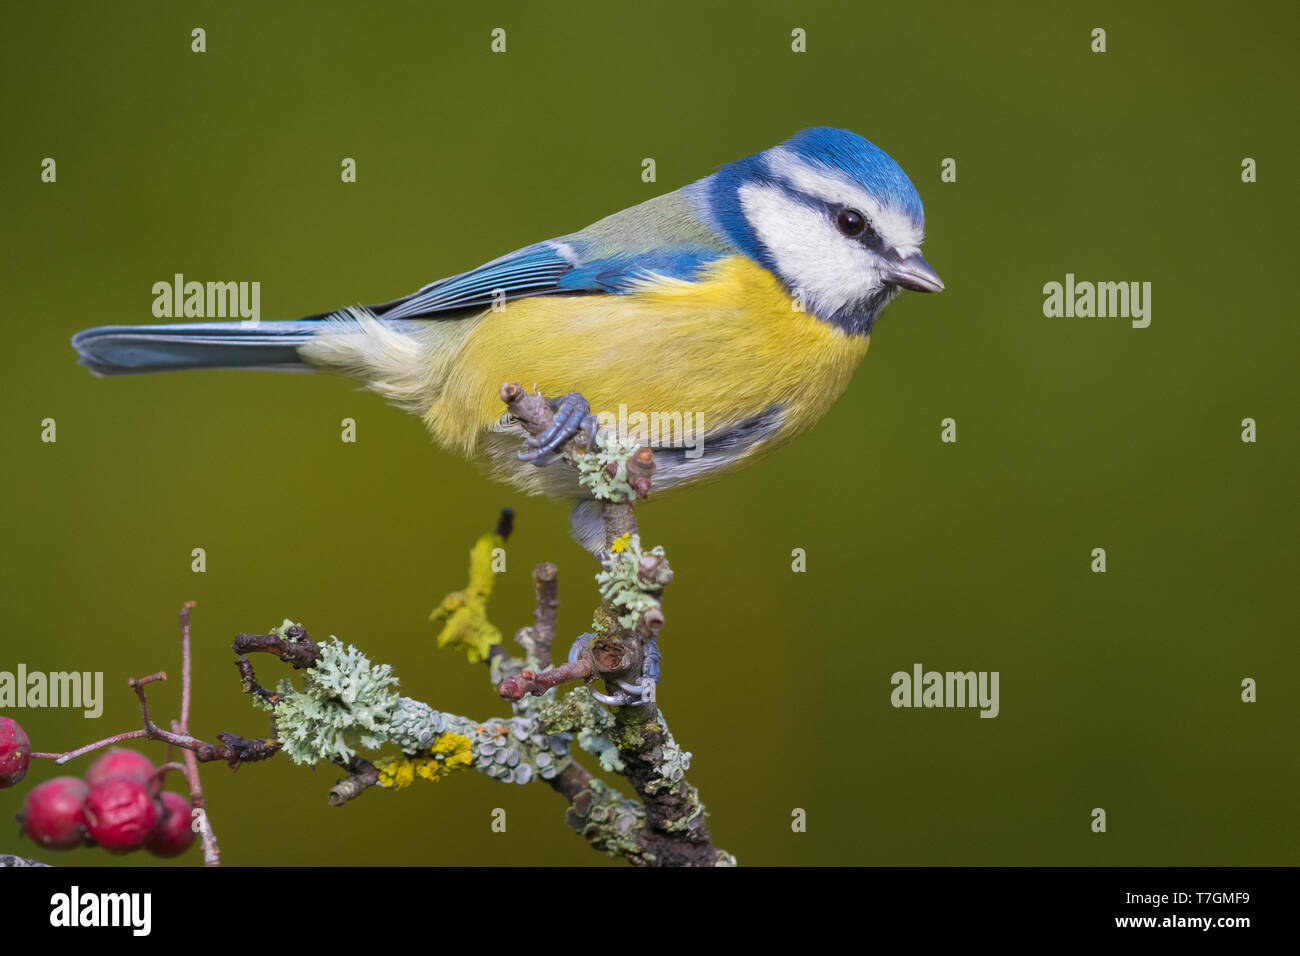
x: 619, y: 544
x: 449, y: 753
x: 463, y: 614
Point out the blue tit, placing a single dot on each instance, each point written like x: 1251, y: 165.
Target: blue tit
x: 740, y: 304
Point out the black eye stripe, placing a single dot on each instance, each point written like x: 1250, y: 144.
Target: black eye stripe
x: 869, y: 238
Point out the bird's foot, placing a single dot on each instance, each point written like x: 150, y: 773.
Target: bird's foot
x: 638, y: 693
x: 572, y: 418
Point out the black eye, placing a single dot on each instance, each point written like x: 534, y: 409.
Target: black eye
x: 851, y: 222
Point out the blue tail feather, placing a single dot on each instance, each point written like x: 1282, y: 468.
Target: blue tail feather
x: 127, y: 349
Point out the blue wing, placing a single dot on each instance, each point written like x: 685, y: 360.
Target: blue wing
x: 663, y: 236
x: 549, y: 268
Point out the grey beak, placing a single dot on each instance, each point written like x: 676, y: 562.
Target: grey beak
x: 916, y: 274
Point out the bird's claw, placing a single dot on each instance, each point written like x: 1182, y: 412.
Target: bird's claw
x: 579, y: 643
x: 572, y: 418
x: 629, y: 695
x: 637, y: 693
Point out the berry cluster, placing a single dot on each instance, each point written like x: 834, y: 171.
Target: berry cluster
x: 119, y: 804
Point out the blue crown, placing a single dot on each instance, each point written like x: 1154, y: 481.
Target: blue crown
x: 863, y: 162
x: 838, y: 150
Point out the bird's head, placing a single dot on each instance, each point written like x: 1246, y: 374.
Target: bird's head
x: 833, y: 216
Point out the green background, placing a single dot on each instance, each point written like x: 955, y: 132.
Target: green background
x: 1118, y: 690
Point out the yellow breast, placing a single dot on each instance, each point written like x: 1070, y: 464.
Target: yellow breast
x: 726, y: 347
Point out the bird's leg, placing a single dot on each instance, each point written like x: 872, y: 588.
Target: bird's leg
x: 572, y: 418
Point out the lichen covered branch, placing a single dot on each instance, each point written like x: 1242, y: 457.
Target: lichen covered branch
x: 347, y: 705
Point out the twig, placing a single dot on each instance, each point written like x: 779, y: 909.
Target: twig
x: 296, y: 647
x: 364, y: 775
x: 207, y: 839
x: 185, y: 666
x: 161, y: 771
x: 538, y: 638
x: 233, y: 749
x: 81, y: 751
x: 517, y: 686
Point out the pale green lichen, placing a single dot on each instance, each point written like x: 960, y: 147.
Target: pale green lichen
x: 577, y: 712
x: 593, y: 468
x: 514, y: 750
x: 621, y: 584
x: 282, y: 631
x: 604, y: 749
x: 415, y: 725
x: 345, y: 704
x: 673, y: 761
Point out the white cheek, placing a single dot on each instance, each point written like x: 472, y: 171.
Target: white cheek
x: 809, y: 252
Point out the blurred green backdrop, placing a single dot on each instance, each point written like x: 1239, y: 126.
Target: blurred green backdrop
x: 1118, y: 690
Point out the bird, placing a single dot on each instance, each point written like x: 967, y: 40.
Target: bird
x: 742, y: 303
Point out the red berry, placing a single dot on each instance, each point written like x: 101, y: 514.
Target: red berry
x: 15, y: 752
x: 52, y: 813
x: 173, y: 835
x: 120, y: 814
x: 120, y: 762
